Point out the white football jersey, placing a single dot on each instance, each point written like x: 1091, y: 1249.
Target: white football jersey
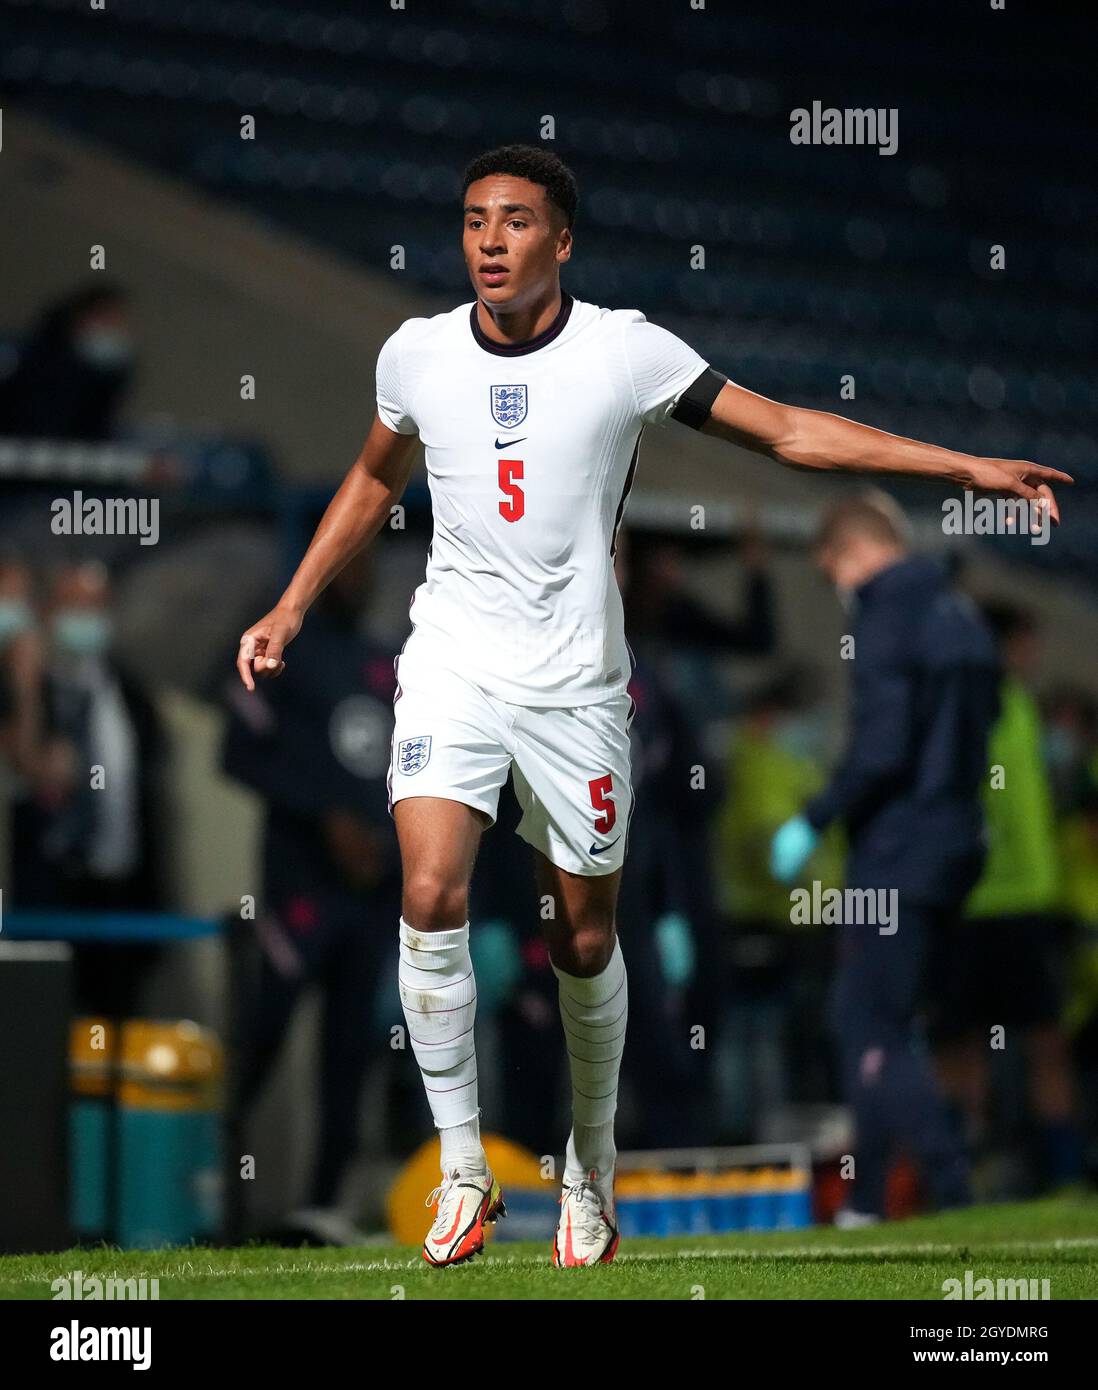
x: 531, y: 451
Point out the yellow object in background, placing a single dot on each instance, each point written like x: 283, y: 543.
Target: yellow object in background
x: 169, y: 1176
x: 512, y: 1166
x: 630, y: 1185
x: 792, y: 1180
x: 169, y: 1066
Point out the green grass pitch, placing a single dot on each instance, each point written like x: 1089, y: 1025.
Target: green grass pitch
x: 1054, y: 1239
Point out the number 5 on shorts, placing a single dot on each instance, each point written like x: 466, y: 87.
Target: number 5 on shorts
x: 600, y: 789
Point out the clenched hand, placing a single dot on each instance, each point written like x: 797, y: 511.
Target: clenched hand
x: 261, y: 647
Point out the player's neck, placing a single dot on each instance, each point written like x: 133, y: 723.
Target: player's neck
x: 520, y: 325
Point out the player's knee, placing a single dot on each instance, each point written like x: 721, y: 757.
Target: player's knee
x: 434, y: 902
x: 585, y: 949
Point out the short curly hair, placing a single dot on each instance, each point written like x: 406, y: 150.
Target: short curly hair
x: 529, y: 162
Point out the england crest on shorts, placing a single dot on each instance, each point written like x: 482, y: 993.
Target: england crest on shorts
x: 413, y: 754
x: 509, y: 406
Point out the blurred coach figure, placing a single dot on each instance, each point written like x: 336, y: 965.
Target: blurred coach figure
x: 924, y: 698
x: 86, y: 831
x: 315, y: 746
x: 74, y: 368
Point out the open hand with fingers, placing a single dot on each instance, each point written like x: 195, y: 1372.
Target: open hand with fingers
x: 1015, y: 478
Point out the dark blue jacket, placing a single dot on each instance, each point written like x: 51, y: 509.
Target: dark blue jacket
x: 925, y: 677
x: 314, y: 741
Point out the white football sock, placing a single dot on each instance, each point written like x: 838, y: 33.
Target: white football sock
x: 594, y: 1013
x: 439, y: 995
x: 461, y: 1149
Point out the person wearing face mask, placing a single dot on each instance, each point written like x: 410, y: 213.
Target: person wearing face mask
x: 73, y: 370
x: 79, y: 841
x: 924, y: 684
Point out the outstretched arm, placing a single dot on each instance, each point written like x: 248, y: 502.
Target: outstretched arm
x: 354, y: 516
x: 815, y: 439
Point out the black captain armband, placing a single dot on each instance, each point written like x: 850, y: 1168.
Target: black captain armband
x: 696, y: 402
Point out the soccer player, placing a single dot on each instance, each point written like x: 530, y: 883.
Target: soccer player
x: 530, y: 405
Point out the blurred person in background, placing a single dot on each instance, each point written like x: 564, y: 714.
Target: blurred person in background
x: 86, y: 743
x: 1004, y: 964
x: 664, y: 611
x: 1070, y: 746
x: 923, y: 700
x: 1071, y: 754
x: 1078, y: 838
x: 73, y: 369
x: 315, y: 747
x: 768, y: 968
x: 668, y: 895
x: 669, y: 627
x: 667, y: 891
x: 680, y: 643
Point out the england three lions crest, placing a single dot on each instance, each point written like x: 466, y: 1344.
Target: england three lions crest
x: 508, y: 406
x: 413, y: 754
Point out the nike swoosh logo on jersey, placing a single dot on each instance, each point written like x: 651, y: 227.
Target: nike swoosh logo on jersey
x: 508, y: 442
x: 599, y: 849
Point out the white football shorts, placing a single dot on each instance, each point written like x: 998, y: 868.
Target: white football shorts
x: 570, y: 765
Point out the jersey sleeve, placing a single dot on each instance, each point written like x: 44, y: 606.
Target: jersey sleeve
x: 661, y: 366
x: 392, y: 407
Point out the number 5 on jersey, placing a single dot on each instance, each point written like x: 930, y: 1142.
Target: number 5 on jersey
x: 514, y: 508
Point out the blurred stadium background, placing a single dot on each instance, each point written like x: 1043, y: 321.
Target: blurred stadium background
x: 273, y: 258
